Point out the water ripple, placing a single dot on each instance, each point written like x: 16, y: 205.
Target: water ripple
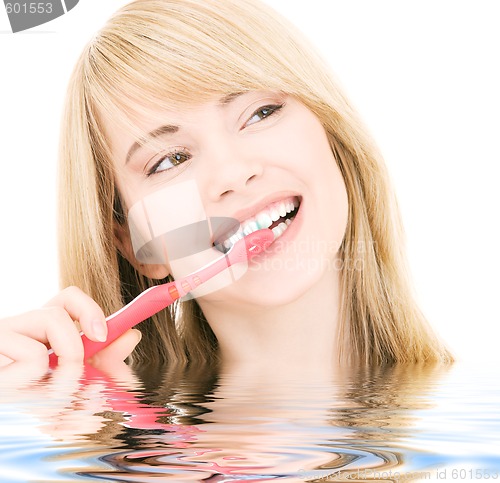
x: 385, y: 424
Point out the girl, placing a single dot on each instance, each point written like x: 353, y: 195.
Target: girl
x: 225, y: 96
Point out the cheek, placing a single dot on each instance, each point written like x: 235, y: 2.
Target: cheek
x: 304, y: 145
x: 162, y: 220
x: 326, y: 183
x: 304, y: 150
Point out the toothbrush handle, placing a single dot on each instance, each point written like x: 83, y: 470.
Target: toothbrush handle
x: 141, y: 308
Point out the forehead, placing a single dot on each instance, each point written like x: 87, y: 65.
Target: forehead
x: 140, y: 124
x: 126, y: 132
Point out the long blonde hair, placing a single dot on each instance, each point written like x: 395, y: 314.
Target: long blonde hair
x: 170, y: 53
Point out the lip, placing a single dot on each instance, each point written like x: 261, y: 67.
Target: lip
x: 251, y: 211
x: 246, y: 213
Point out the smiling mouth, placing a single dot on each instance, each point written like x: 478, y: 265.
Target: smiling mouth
x: 277, y: 216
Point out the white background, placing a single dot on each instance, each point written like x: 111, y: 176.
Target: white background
x: 425, y: 76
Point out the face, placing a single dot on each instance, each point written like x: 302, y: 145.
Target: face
x: 261, y: 158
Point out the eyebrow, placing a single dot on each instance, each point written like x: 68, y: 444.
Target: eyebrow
x: 225, y: 100
x: 167, y: 129
x: 172, y: 129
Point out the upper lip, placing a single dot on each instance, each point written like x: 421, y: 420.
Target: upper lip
x: 250, y: 211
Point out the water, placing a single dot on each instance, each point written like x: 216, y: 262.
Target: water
x: 381, y: 424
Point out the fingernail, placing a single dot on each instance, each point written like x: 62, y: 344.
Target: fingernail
x: 139, y: 334
x: 100, y: 330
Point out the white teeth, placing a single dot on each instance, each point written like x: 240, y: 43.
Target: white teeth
x: 275, y: 215
x: 278, y: 230
x: 236, y: 237
x: 264, y: 220
x: 250, y: 227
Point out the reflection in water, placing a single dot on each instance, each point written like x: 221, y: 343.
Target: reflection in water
x: 396, y: 423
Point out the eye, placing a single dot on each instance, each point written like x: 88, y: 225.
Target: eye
x: 169, y: 161
x: 263, y: 113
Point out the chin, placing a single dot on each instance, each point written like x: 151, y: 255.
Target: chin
x: 275, y: 288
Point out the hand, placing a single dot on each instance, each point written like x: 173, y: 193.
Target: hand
x: 25, y: 338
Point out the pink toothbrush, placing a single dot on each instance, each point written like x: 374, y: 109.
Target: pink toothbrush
x: 156, y: 298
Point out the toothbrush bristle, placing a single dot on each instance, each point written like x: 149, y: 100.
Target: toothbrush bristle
x: 258, y: 241
x: 250, y: 245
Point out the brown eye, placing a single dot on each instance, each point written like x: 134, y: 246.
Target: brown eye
x: 263, y: 113
x: 169, y: 161
x: 178, y: 158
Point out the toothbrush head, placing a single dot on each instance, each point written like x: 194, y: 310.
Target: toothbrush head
x: 250, y: 246
x: 258, y: 241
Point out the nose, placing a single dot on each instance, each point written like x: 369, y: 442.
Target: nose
x: 230, y: 168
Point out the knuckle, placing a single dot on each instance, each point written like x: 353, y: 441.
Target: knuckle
x: 79, y: 298
x: 38, y: 352
x: 57, y: 315
x: 73, y: 291
x: 4, y: 360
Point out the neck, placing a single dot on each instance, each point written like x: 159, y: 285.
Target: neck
x: 296, y: 340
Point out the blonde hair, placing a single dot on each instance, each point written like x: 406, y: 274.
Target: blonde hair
x: 169, y: 53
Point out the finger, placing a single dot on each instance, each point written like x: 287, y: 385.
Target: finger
x: 51, y: 325
x: 118, y: 351
x: 85, y: 310
x: 19, y: 347
x: 5, y: 361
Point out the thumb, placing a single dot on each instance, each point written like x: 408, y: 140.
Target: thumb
x: 117, y: 351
